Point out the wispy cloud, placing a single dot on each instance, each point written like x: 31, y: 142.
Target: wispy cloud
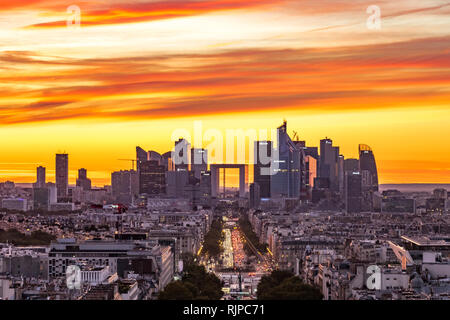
x: 376, y: 76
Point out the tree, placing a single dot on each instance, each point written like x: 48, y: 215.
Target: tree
x: 246, y: 228
x: 283, y: 285
x: 211, y: 243
x: 176, y: 290
x: 196, y: 284
x: 188, y: 259
x: 17, y: 238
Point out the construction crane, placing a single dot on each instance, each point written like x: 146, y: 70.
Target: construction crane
x: 132, y: 162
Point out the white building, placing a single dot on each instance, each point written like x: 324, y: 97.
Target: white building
x: 15, y: 204
x: 394, y: 279
x: 435, y: 265
x: 94, y: 275
x: 6, y: 292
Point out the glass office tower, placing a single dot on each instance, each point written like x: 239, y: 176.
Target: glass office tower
x: 285, y: 181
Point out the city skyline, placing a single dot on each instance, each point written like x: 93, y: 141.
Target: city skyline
x: 197, y: 161
x: 132, y: 73
x: 103, y: 177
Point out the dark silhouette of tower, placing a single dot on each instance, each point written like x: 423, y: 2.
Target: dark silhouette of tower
x: 62, y: 175
x: 367, y: 162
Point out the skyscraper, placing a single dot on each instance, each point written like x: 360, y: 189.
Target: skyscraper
x: 141, y: 156
x: 167, y: 161
x: 199, y: 161
x: 312, y: 151
x: 328, y: 165
x: 176, y: 182
x: 125, y: 186
x: 285, y: 182
x: 205, y: 188
x: 351, y: 164
x: 341, y: 174
x: 82, y: 180
x: 40, y: 177
x: 367, y: 162
x: 367, y: 190
x: 311, y: 171
x: 261, y: 168
x: 152, y: 180
x: 62, y: 175
x: 254, y: 195
x: 353, y: 192
x: 155, y: 156
x: 41, y: 198
x: 180, y: 156
x: 301, y: 145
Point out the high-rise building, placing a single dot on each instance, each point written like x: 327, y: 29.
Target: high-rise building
x: 62, y: 175
x: 82, y: 180
x: 254, y: 195
x: 155, y: 156
x: 199, y: 161
x: 312, y: 151
x: 152, y: 179
x: 181, y: 155
x: 82, y: 173
x: 198, y: 191
x: 40, y: 177
x: 285, y: 181
x: 351, y: 165
x: 367, y: 162
x: 205, y: 188
x: 301, y: 145
x: 311, y: 170
x: 41, y: 198
x: 341, y: 174
x: 141, y: 156
x: 261, y: 168
x: 353, y: 192
x: 167, y: 161
x: 53, y: 192
x: 176, y: 182
x: 367, y: 191
x: 125, y: 186
x: 328, y: 165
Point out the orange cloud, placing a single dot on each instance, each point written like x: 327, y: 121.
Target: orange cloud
x: 377, y: 76
x: 99, y: 13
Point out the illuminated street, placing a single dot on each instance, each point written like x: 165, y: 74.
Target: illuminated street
x: 239, y: 255
x: 239, y: 271
x: 228, y: 256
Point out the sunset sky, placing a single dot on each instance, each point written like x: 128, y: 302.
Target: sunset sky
x: 136, y: 70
